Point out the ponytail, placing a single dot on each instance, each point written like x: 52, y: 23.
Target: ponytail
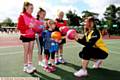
x: 26, y: 4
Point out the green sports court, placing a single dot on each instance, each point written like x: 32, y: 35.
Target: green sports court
x: 11, y: 62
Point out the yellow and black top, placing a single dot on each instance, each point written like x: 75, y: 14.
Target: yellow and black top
x: 93, y: 39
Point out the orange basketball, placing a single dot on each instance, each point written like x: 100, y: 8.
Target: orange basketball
x: 56, y: 35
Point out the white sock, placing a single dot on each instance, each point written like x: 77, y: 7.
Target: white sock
x: 40, y: 61
x: 84, y: 69
x: 61, y: 56
x: 56, y: 56
x: 29, y: 64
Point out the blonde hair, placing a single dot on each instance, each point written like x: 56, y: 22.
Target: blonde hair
x: 59, y: 11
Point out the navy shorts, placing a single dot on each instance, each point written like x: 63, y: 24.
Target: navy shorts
x: 63, y: 41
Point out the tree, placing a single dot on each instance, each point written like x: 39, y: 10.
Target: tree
x: 8, y: 22
x: 73, y: 19
x: 110, y: 15
x: 88, y: 13
x: 118, y: 17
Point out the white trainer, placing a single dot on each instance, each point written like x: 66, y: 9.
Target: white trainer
x: 25, y: 68
x: 97, y: 64
x: 81, y: 73
x: 61, y: 60
x: 30, y: 69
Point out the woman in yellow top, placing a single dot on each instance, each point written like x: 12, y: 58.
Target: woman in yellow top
x: 94, y: 47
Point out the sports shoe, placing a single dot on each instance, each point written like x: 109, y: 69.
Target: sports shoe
x: 41, y: 63
x: 47, y: 69
x: 61, y: 60
x: 81, y: 73
x: 97, y: 64
x: 49, y: 63
x: 53, y: 68
x: 56, y: 61
x: 25, y: 68
x: 30, y: 69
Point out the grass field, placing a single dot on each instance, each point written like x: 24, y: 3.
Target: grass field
x: 11, y: 63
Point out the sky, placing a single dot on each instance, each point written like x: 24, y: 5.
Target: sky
x: 13, y: 8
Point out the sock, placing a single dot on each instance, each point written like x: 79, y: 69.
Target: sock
x: 40, y: 61
x: 56, y: 56
x: 46, y: 65
x: 52, y: 64
x: 29, y: 64
x: 43, y: 60
x: 61, y: 56
x: 84, y: 69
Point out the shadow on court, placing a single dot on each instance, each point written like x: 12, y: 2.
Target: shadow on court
x: 42, y: 76
x: 94, y: 74
x: 97, y: 74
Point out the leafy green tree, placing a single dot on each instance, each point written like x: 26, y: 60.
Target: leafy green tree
x: 73, y: 19
x: 110, y: 15
x: 8, y: 22
x: 86, y: 14
x: 118, y: 17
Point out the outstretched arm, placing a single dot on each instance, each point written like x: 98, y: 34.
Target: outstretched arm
x: 80, y: 39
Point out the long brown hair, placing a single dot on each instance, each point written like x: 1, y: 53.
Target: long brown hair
x: 40, y: 10
x: 26, y: 4
x: 89, y: 20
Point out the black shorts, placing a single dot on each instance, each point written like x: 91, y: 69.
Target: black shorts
x: 24, y: 39
x: 92, y: 53
x: 63, y: 41
x: 48, y: 54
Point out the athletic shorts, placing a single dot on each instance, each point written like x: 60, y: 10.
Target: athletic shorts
x: 24, y: 39
x: 63, y: 41
x: 92, y: 53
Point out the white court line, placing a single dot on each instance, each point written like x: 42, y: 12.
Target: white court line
x: 109, y: 47
x: 12, y: 53
x: 10, y: 46
x: 113, y: 52
x: 112, y: 43
x: 66, y: 45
